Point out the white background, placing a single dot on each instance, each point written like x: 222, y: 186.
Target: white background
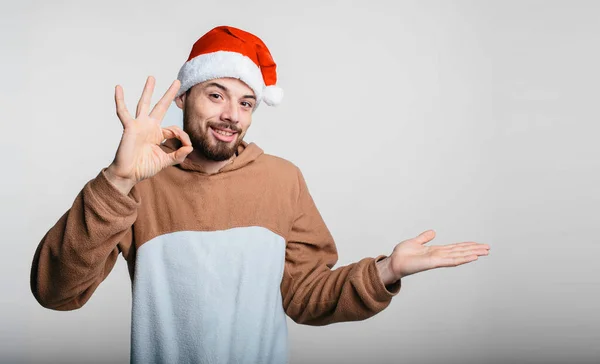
x: 478, y: 119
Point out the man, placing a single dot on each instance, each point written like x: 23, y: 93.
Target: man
x: 221, y: 239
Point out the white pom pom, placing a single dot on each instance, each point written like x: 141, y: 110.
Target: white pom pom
x: 272, y: 95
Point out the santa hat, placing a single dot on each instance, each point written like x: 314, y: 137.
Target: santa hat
x: 230, y: 52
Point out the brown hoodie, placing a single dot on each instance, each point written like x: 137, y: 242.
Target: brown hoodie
x: 216, y: 261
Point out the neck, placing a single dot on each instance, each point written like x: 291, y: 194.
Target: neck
x: 208, y: 166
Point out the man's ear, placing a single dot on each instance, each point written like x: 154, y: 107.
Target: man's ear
x: 180, y: 100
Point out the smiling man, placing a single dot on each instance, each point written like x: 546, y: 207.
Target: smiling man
x: 218, y: 138
x: 222, y: 240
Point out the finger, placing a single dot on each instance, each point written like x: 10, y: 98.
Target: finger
x: 174, y: 131
x: 469, y: 244
x: 122, y: 111
x: 161, y: 107
x: 182, y: 135
x: 180, y: 154
x: 456, y: 261
x: 468, y: 252
x: 144, y: 104
x: 466, y: 246
x: 425, y: 237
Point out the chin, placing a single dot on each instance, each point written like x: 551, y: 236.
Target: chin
x: 221, y: 151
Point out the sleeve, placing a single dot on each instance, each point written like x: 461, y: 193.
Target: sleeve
x: 81, y: 249
x: 312, y: 292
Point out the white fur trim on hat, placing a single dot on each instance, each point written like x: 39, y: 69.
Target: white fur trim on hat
x: 221, y: 64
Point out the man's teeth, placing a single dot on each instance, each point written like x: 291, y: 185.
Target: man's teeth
x: 223, y: 132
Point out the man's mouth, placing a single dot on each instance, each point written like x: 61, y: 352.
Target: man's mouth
x: 224, y: 135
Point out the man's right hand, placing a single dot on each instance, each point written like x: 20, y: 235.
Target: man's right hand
x: 139, y: 155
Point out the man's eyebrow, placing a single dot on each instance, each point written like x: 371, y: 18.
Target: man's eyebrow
x: 217, y: 85
x: 225, y: 89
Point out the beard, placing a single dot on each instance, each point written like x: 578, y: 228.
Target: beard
x: 201, y: 140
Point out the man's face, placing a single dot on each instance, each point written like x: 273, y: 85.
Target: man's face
x: 216, y: 116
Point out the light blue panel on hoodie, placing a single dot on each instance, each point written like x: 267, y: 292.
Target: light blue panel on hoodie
x: 210, y: 297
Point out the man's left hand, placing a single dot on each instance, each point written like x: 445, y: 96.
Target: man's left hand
x: 413, y: 256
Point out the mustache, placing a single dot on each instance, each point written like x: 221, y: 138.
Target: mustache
x: 229, y: 126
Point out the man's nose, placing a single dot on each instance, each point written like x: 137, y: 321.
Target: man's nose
x: 230, y: 113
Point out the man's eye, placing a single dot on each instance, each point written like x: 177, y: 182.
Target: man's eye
x: 246, y: 104
x: 215, y: 96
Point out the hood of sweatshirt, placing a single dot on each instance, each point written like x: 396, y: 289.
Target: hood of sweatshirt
x: 246, y: 154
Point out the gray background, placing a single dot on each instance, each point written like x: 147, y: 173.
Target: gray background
x: 478, y: 119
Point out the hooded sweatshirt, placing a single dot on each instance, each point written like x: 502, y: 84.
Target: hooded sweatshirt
x: 216, y: 261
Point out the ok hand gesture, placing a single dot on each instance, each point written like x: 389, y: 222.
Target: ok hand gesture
x: 139, y: 155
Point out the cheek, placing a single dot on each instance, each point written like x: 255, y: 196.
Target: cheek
x: 246, y: 121
x: 204, y: 109
x: 198, y: 119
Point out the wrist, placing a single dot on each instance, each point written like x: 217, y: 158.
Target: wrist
x: 384, y: 268
x: 124, y: 185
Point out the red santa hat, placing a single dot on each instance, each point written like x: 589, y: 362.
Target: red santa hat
x: 230, y: 52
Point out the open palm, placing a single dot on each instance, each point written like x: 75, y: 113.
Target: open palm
x: 413, y: 256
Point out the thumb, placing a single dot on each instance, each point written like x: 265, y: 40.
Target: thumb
x: 180, y: 154
x: 425, y: 237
